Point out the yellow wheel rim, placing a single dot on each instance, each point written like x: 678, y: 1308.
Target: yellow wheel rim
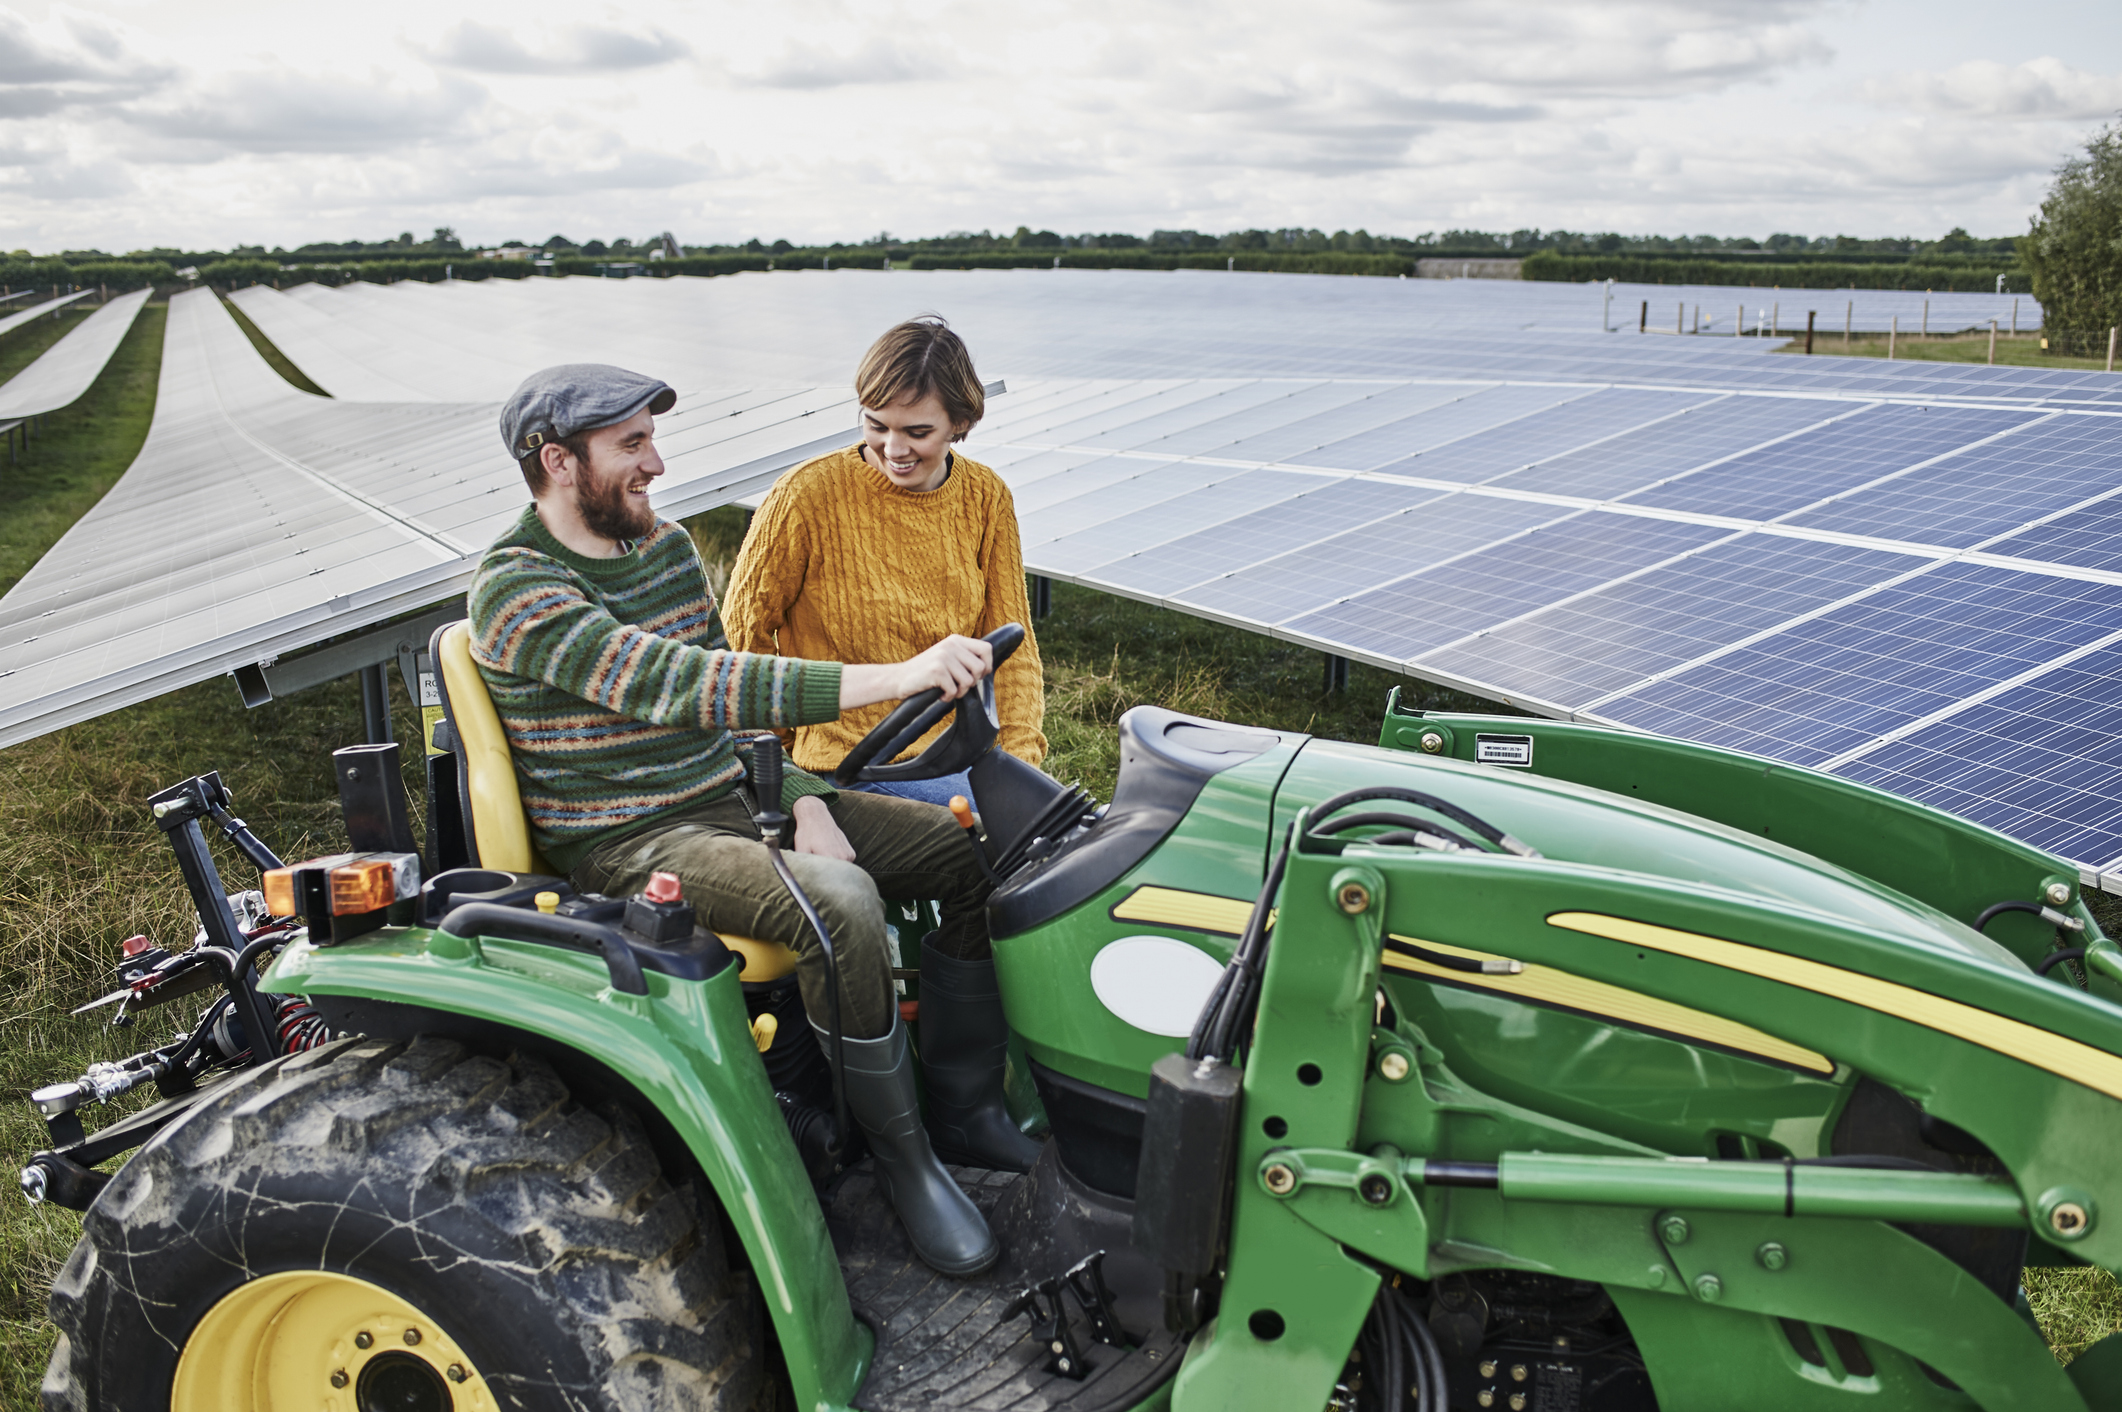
x: 305, y: 1341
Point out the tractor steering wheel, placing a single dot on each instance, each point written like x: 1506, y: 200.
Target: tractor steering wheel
x: 969, y: 737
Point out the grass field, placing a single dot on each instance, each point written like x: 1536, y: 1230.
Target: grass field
x: 2022, y: 352
x: 83, y: 866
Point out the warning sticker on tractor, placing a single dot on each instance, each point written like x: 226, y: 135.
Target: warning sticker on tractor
x: 1504, y: 750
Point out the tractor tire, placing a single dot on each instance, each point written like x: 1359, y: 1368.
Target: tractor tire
x: 376, y: 1224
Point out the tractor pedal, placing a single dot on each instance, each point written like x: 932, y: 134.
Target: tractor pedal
x: 1049, y: 1316
x: 1086, y: 1280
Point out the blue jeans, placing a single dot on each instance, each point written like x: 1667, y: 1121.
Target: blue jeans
x: 936, y: 791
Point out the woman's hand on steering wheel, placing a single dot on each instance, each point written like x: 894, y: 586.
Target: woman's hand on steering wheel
x: 953, y: 666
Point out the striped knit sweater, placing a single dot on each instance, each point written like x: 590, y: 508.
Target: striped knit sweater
x: 612, y: 682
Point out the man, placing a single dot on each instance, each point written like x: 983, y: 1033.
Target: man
x: 596, y: 633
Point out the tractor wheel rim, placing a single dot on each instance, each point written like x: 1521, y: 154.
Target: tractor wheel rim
x: 320, y: 1342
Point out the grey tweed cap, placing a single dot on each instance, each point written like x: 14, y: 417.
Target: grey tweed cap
x: 576, y: 397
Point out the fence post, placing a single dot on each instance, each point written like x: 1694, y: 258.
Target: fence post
x: 2015, y: 318
x: 1893, y: 334
x: 1849, y: 316
x: 1680, y: 319
x: 2111, y: 346
x: 1993, y: 341
x: 1809, y: 332
x: 1643, y: 319
x: 1926, y: 314
x: 1606, y: 310
x: 1738, y: 325
x: 1775, y: 319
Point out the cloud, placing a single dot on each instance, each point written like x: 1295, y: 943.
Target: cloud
x: 2044, y: 88
x: 580, y: 49
x: 73, y: 59
x: 280, y: 110
x: 808, y: 66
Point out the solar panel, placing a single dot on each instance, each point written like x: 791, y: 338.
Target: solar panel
x: 65, y: 370
x: 1221, y: 494
x: 2041, y: 761
x: 2089, y: 538
x: 1541, y: 566
x: 1319, y: 512
x: 2037, y: 470
x: 1845, y: 454
x: 10, y: 322
x: 1580, y: 421
x: 1687, y: 439
x: 1838, y: 682
x: 1623, y: 634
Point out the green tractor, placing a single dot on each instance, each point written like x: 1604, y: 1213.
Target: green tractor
x: 1506, y: 1064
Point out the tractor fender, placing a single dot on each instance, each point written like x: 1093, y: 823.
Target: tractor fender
x: 682, y: 1057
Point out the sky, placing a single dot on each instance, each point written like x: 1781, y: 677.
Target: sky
x: 209, y: 123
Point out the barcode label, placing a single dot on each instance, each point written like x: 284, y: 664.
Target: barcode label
x: 1504, y: 750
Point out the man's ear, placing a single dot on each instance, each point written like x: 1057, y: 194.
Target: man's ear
x: 558, y: 463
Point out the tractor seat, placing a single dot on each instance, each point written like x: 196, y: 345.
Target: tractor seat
x: 496, y: 835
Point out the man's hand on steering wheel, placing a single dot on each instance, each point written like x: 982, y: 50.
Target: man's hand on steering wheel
x: 953, y: 666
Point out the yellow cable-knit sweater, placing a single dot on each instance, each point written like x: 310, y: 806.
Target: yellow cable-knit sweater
x: 843, y: 566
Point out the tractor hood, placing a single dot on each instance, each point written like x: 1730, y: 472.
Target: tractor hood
x: 1591, y: 827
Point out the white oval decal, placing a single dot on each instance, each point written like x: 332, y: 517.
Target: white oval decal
x: 1154, y: 983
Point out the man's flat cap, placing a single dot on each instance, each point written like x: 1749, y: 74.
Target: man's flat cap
x: 576, y: 397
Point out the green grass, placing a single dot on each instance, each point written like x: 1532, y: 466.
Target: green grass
x: 270, y: 351
x: 2023, y: 351
x: 84, y: 867
x: 81, y: 450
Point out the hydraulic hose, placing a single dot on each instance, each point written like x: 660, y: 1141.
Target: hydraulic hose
x: 766, y: 796
x: 2056, y: 958
x: 2047, y: 914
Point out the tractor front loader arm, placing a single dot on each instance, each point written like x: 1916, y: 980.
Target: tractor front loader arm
x: 1362, y: 1157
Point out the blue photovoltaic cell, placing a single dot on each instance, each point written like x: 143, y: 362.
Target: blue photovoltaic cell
x: 1615, y: 637
x: 2041, y: 762
x: 2091, y: 538
x: 1327, y: 509
x: 1098, y: 473
x: 1673, y: 447
x: 1830, y: 460
x: 1231, y: 402
x: 1849, y: 676
x: 1988, y: 490
x: 1107, y: 499
x: 1019, y: 469
x: 1116, y: 539
x: 1405, y: 619
x: 1479, y: 410
x: 1319, y: 574
x: 1517, y: 444
x: 1301, y: 403
x: 1095, y: 426
x: 1382, y: 404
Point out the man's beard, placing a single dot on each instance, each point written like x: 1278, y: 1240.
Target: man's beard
x: 609, y: 512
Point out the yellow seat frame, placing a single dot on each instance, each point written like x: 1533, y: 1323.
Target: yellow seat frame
x: 497, y: 834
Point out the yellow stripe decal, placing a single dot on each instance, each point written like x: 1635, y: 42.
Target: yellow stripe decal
x: 1192, y: 911
x: 2081, y: 1063
x: 1544, y: 985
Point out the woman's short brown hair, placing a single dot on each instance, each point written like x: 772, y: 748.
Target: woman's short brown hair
x: 916, y: 359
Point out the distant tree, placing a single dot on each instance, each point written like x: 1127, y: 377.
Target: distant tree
x: 595, y: 247
x: 557, y: 242
x: 446, y: 239
x: 405, y: 237
x: 2074, y: 250
x: 1607, y: 244
x: 780, y: 247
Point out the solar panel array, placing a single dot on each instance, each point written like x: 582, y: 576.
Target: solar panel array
x: 258, y: 520
x: 472, y: 341
x: 11, y: 322
x: 65, y: 370
x: 1895, y: 572
x: 1855, y: 585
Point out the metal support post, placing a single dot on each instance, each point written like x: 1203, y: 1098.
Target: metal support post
x: 1643, y: 319
x: 1335, y: 677
x: 2111, y: 332
x: 1993, y: 342
x: 1042, y: 595
x: 1893, y: 336
x: 375, y: 705
x: 1809, y: 314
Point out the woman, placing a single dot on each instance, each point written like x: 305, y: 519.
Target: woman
x: 899, y: 540
x: 871, y: 553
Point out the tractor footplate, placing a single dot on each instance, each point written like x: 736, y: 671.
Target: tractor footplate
x: 945, y: 1342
